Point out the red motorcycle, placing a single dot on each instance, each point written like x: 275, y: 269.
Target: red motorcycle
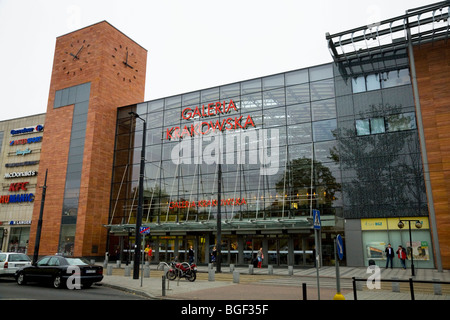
x: 182, y: 270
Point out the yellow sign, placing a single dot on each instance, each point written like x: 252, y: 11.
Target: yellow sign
x: 392, y: 223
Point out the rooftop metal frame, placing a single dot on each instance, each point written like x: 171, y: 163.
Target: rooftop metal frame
x: 383, y: 46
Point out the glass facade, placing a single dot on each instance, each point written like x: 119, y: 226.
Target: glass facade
x: 283, y: 145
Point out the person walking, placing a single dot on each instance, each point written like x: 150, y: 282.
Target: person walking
x: 389, y: 256
x: 260, y: 257
x: 401, y: 253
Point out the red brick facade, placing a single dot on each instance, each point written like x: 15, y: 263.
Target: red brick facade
x: 433, y: 78
x: 101, y: 49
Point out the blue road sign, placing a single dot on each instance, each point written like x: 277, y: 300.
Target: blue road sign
x: 144, y: 230
x: 316, y: 219
x: 340, y: 247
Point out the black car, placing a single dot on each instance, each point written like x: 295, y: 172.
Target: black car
x: 61, y: 272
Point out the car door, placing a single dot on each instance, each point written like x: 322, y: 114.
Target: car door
x: 35, y: 272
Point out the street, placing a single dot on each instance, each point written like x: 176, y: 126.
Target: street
x: 10, y: 290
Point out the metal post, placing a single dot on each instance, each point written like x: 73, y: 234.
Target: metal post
x: 39, y: 226
x: 137, y: 250
x: 411, y: 288
x: 219, y: 218
x: 355, y: 295
x: 411, y: 245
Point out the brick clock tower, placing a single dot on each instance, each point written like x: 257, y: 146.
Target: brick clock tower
x: 95, y: 70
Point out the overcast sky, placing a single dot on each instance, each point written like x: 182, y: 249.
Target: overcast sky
x: 192, y: 44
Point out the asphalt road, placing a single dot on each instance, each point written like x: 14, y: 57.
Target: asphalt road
x: 10, y: 290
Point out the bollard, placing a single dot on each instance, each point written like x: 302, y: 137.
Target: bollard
x: 118, y: 264
x: 163, y: 286
x: 250, y: 269
x: 304, y: 291
x: 437, y: 287
x: 127, y: 271
x: 146, y: 272
x: 231, y: 267
x: 109, y: 270
x: 210, y: 266
x: 211, y: 275
x: 395, y: 285
x: 290, y: 270
x: 236, y: 276
x: 270, y: 269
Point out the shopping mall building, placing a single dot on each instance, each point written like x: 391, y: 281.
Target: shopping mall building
x: 362, y: 140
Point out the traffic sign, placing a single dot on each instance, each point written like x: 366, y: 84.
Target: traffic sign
x: 316, y: 219
x: 340, y: 247
x: 144, y: 230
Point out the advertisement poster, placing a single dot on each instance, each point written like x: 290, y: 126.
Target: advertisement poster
x: 420, y: 250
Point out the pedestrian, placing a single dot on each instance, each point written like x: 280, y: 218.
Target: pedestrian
x: 191, y: 255
x: 213, y: 255
x: 149, y: 253
x: 401, y: 253
x: 389, y: 256
x: 260, y: 257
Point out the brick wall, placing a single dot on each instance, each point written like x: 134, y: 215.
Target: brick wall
x: 113, y: 84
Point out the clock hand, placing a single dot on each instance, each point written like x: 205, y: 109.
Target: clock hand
x: 76, y: 55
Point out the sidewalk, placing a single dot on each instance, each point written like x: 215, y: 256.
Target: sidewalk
x: 281, y: 285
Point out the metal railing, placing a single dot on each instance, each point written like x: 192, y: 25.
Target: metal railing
x: 410, y: 281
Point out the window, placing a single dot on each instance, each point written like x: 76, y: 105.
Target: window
x: 362, y: 127
x: 323, y: 130
x: 377, y: 125
x: 383, y: 80
x: 399, y: 122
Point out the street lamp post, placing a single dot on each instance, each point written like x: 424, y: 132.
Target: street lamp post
x: 137, y: 250
x: 401, y: 225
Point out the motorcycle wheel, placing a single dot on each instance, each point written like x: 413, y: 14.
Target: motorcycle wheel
x: 191, y: 276
x: 171, y: 275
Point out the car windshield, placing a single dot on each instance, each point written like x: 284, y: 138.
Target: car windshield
x: 19, y: 257
x: 77, y: 261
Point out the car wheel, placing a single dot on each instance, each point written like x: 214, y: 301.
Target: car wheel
x: 21, y: 279
x: 57, y: 282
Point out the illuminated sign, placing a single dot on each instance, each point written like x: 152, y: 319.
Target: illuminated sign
x: 207, y: 203
x: 205, y: 127
x: 25, y: 141
x: 18, y: 186
x: 23, y: 152
x: 21, y: 164
x: 10, y: 175
x: 33, y: 129
x: 17, y: 198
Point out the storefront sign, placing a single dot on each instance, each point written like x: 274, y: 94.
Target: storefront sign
x: 18, y: 186
x: 21, y: 164
x: 11, y: 175
x: 20, y: 222
x: 205, y: 127
x: 17, y: 198
x: 26, y: 130
x: 207, y: 203
x: 390, y: 223
x: 23, y: 152
x: 25, y: 141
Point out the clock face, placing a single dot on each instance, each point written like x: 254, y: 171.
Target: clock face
x: 125, y: 63
x: 76, y: 57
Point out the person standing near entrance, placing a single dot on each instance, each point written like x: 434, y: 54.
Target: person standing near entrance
x: 401, y: 253
x: 191, y: 255
x: 389, y: 256
x: 149, y: 252
x: 260, y: 257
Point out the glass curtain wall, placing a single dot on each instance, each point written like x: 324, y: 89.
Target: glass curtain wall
x: 273, y: 136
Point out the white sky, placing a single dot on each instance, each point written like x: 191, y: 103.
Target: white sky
x: 192, y: 44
